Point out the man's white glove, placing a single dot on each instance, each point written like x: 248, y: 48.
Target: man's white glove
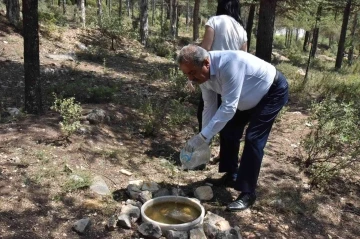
x: 194, y: 143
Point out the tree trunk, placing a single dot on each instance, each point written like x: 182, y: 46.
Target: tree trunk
x: 265, y: 33
x: 132, y: 9
x: 162, y: 18
x: 297, y: 34
x: 109, y: 6
x: 153, y: 7
x: 12, y: 11
x: 64, y: 6
x: 173, y: 18
x: 341, y: 46
x: 196, y: 20
x: 187, y: 13
x: 306, y: 41
x: 353, y: 30
x: 128, y: 2
x: 120, y: 7
x: 83, y: 14
x: 170, y: 13
x: 144, y: 21
x: 315, y: 41
x: 99, y: 11
x: 178, y: 13
x: 33, y: 102
x: 249, y: 25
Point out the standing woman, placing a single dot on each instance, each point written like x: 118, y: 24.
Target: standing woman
x: 225, y: 31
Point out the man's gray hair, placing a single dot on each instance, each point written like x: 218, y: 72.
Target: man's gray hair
x: 192, y: 54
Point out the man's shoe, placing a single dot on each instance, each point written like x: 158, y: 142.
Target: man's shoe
x: 227, y: 180
x: 244, y: 201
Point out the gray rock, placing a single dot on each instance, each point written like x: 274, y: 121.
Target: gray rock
x: 96, y: 116
x: 150, y: 230
x: 215, y: 220
x: 177, y: 192
x: 162, y: 192
x: 60, y: 57
x: 99, y: 186
x: 197, y: 233
x: 112, y: 222
x: 81, y: 46
x: 210, y: 230
x: 150, y: 186
x: 233, y: 233
x: 82, y: 130
x: 145, y: 196
x: 134, y: 203
x: 176, y: 234
x: 137, y: 183
x: 81, y: 225
x: 133, y: 191
x: 132, y: 211
x: 14, y: 112
x: 124, y: 221
x: 204, y: 193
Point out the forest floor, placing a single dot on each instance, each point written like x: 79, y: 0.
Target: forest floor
x: 35, y: 202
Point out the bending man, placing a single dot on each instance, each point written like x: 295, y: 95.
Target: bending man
x: 252, y: 92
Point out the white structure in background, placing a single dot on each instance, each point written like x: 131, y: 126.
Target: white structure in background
x: 282, y: 32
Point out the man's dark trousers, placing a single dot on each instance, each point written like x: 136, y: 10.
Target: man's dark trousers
x: 260, y: 119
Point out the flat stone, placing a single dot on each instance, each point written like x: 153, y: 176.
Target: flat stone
x: 204, y: 193
x: 210, y: 230
x: 99, y: 186
x: 81, y: 225
x: 123, y: 171
x: 96, y: 116
x: 177, y: 192
x: 134, y: 203
x: 161, y: 192
x: 176, y: 234
x: 132, y: 211
x: 112, y: 222
x: 197, y: 233
x: 124, y: 221
x: 150, y: 230
x: 150, y: 186
x: 137, y: 183
x: 233, y: 233
x: 145, y: 196
x: 133, y: 191
x: 215, y: 220
x: 60, y: 57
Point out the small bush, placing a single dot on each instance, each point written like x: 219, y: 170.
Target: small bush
x: 179, y: 113
x: 333, y: 143
x: 154, y: 114
x: 101, y: 94
x: 70, y: 112
x: 160, y: 47
x: 77, y: 182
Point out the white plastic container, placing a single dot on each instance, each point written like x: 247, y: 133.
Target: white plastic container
x: 177, y: 227
x: 191, y: 160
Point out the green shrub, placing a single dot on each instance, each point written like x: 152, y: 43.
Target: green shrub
x: 77, y: 182
x: 333, y: 143
x: 160, y: 47
x: 70, y: 112
x: 179, y: 113
x: 153, y: 115
x: 101, y: 94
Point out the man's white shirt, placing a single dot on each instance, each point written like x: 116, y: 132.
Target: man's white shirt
x: 241, y: 79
